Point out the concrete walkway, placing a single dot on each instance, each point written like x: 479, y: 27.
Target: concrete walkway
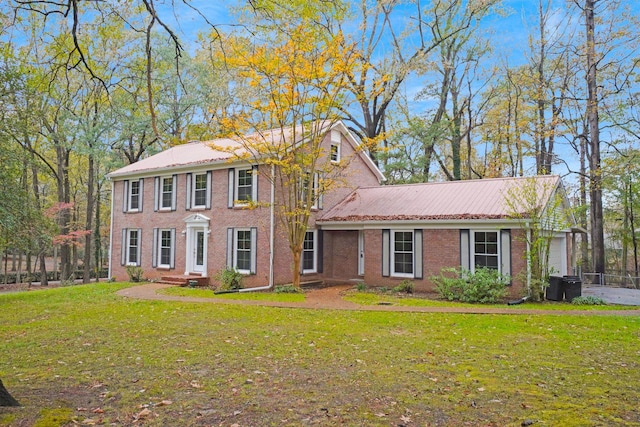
x: 331, y: 299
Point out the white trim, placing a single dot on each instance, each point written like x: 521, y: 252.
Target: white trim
x: 193, y: 190
x: 314, y: 269
x: 236, y: 187
x: 392, y: 254
x: 488, y: 224
x: 113, y: 184
x: 127, y: 256
x: 130, y: 195
x: 360, y: 253
x: 235, y: 250
x: 472, y: 246
x: 160, y: 247
x: 160, y: 194
x: 195, y: 223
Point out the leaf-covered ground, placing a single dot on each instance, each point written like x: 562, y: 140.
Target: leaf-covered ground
x: 83, y: 355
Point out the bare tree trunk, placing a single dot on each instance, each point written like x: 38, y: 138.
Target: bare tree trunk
x: 86, y: 274
x: 595, y: 170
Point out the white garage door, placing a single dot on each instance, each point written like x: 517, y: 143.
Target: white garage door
x: 558, y: 256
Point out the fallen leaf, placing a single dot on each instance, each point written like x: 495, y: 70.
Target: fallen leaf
x: 98, y: 411
x: 165, y: 403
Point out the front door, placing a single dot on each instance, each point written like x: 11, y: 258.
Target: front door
x: 198, y: 252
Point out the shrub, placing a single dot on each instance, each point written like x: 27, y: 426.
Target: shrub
x: 588, y: 300
x: 405, y: 286
x: 484, y: 286
x: 134, y: 273
x: 229, y: 279
x: 361, y: 287
x: 287, y: 289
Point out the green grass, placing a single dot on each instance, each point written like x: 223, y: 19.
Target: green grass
x: 377, y: 298
x: 249, y: 296
x: 85, y: 355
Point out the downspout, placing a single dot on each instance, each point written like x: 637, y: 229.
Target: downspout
x: 272, y: 227
x: 111, y: 229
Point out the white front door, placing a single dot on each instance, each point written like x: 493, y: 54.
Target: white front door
x: 198, y: 251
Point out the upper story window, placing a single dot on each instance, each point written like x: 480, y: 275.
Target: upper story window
x: 165, y: 193
x: 243, y: 186
x: 335, y: 146
x: 132, y: 198
x: 199, y: 190
x: 311, y: 183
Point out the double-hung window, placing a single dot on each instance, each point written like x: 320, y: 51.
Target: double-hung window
x: 402, y: 263
x: 167, y: 193
x: 132, y: 198
x: 199, y: 190
x: 165, y: 248
x: 402, y: 253
x: 310, y: 252
x: 131, y: 240
x: 241, y: 249
x: 485, y: 249
x: 244, y: 188
x: 311, y: 182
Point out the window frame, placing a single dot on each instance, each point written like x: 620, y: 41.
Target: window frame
x: 236, y: 190
x: 335, y: 142
x: 314, y: 252
x: 162, y: 193
x: 130, y: 196
x: 169, y: 248
x: 474, y: 253
x: 393, y: 252
x: 195, y: 189
x: 128, y: 247
x: 236, y: 249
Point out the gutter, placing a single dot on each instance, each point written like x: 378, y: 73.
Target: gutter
x: 111, y: 228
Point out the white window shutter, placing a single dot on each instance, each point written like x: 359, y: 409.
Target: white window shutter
x: 417, y: 254
x: 386, y: 255
x: 465, y: 250
x: 231, y: 189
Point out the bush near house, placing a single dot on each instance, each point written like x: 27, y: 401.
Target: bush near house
x: 484, y: 286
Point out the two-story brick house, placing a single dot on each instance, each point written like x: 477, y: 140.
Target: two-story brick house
x: 184, y: 212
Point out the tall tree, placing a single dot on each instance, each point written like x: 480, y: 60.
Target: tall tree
x: 299, y: 72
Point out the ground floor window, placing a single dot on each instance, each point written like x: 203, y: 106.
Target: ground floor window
x: 241, y: 250
x: 131, y: 240
x: 309, y: 252
x: 402, y: 254
x: 485, y: 249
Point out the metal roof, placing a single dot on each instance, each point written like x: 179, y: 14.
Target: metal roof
x: 451, y: 200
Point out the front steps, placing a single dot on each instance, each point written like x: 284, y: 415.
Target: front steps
x: 183, y: 280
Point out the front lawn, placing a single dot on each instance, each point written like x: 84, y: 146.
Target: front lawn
x: 250, y: 296
x: 83, y: 355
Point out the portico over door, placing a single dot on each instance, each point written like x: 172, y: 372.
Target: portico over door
x: 197, y: 235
